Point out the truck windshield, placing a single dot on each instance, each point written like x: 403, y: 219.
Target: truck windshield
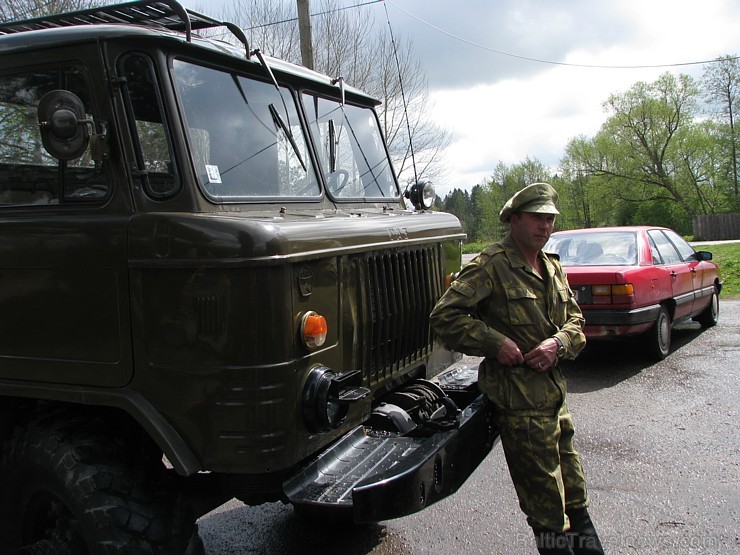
x: 246, y: 141
x: 352, y: 154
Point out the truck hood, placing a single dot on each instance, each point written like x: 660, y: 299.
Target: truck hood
x: 244, y: 238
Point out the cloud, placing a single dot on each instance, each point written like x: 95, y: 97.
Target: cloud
x: 516, y: 109
x: 510, y: 121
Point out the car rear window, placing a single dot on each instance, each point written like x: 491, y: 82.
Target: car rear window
x: 609, y: 248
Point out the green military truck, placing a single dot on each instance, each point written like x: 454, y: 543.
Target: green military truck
x: 211, y: 287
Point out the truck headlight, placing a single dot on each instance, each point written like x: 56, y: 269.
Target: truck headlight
x: 321, y: 412
x: 327, y: 397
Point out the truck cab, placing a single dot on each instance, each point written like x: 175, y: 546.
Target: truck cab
x: 212, y: 286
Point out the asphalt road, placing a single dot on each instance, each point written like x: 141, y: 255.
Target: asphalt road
x: 660, y: 444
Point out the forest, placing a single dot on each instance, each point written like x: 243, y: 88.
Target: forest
x: 666, y: 152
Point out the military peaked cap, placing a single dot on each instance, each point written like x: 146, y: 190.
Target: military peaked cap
x: 537, y: 197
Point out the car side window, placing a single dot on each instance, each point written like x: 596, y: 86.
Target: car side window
x: 29, y: 175
x: 684, y: 249
x: 657, y: 260
x: 668, y: 252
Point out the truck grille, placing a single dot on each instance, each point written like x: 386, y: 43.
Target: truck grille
x: 402, y: 288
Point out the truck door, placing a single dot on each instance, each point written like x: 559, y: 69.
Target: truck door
x: 64, y: 307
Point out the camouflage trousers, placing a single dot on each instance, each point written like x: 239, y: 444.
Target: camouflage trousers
x: 544, y: 466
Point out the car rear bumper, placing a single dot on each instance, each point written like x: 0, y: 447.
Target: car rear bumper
x: 640, y: 315
x: 606, y: 323
x: 367, y: 477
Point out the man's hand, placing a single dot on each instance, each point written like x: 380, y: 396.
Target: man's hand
x: 543, y: 356
x: 509, y: 354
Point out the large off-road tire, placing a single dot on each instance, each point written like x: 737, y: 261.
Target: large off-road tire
x: 69, y: 487
x: 658, y: 338
x: 710, y: 315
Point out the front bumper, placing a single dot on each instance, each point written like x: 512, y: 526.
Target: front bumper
x: 367, y: 477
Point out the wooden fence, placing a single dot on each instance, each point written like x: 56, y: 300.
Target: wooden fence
x: 716, y: 227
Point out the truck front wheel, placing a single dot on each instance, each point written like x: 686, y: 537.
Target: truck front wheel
x: 68, y: 487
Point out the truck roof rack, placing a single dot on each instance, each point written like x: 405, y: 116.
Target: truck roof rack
x: 168, y: 14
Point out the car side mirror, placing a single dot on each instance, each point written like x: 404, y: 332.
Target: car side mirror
x: 703, y: 255
x: 64, y: 128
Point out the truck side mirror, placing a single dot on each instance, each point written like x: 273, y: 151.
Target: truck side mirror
x: 63, y: 125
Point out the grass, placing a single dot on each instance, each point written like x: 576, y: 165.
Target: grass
x: 726, y: 255
x: 473, y: 248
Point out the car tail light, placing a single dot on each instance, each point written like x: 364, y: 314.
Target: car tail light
x: 623, y: 294
x: 613, y: 294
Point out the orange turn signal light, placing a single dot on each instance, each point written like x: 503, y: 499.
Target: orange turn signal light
x: 313, y: 329
x: 626, y: 289
x: 613, y: 294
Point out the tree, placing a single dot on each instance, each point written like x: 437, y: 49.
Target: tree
x: 721, y: 82
x: 28, y: 9
x: 477, y: 200
x: 457, y: 202
x: 648, y: 149
x: 415, y: 143
x: 505, y: 181
x: 578, y: 183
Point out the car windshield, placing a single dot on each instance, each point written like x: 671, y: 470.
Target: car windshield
x: 608, y: 248
x: 245, y: 136
x: 351, y: 150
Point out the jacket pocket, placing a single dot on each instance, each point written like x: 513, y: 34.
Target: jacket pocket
x: 521, y: 304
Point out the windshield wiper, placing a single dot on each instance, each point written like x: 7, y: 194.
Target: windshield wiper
x: 275, y: 116
x: 332, y: 147
x: 281, y: 124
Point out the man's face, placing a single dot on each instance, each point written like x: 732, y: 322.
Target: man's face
x: 531, y: 230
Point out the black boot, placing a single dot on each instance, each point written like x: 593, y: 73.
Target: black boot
x: 553, y: 543
x: 584, y: 539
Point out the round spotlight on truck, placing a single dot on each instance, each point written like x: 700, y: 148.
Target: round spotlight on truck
x: 422, y: 195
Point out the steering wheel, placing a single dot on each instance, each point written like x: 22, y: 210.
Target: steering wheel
x: 338, y: 180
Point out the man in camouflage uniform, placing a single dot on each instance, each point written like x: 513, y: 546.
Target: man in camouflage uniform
x: 513, y: 306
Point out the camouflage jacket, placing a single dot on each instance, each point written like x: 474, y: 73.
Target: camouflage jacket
x: 498, y: 295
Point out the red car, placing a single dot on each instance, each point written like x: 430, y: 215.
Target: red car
x: 638, y: 280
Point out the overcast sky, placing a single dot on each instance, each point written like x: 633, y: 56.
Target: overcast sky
x: 500, y: 106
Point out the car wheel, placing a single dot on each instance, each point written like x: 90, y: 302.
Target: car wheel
x: 659, y: 336
x: 68, y: 487
x: 710, y: 315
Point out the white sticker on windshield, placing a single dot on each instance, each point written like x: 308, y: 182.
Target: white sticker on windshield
x: 214, y: 176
